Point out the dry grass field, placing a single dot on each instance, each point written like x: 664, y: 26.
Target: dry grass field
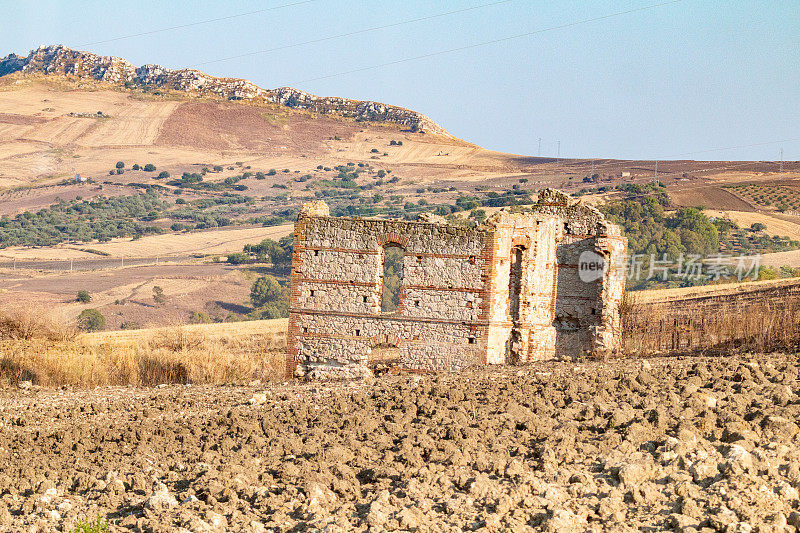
x: 125, y: 295
x: 783, y: 227
x: 43, y: 349
x: 664, y: 295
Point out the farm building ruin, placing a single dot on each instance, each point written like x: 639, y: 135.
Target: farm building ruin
x: 523, y: 286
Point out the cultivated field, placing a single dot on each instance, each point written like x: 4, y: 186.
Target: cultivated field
x: 208, y: 242
x: 688, y: 444
x: 125, y: 295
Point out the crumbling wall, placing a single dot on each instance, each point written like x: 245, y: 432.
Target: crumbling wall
x: 336, y: 317
x: 508, y: 291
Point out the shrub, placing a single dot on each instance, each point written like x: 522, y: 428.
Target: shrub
x: 135, y: 166
x: 266, y: 289
x: 238, y: 258
x: 374, y: 151
x: 120, y: 171
x: 120, y: 164
x: 271, y: 310
x: 91, y: 320
x: 158, y: 295
x: 163, y: 175
x: 149, y: 167
x: 84, y: 297
x: 217, y: 168
x: 272, y: 172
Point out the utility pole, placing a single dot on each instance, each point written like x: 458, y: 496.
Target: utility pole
x: 559, y: 149
x: 781, y: 160
x: 655, y: 174
x: 70, y: 264
x: 122, y: 260
x: 540, y: 147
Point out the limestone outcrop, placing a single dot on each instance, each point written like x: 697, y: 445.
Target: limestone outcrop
x: 62, y: 61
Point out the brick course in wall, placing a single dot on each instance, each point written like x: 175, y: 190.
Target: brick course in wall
x: 507, y: 291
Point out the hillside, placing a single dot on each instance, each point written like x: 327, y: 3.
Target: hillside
x: 178, y: 167
x: 62, y: 61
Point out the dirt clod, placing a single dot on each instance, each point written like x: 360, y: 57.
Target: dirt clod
x: 551, y: 446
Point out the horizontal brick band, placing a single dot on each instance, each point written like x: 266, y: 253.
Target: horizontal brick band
x: 387, y: 317
x: 444, y: 289
x: 336, y: 282
x: 372, y: 251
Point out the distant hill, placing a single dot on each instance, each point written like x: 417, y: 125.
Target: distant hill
x: 63, y: 61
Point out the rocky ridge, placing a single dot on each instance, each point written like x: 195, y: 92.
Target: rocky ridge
x: 62, y: 61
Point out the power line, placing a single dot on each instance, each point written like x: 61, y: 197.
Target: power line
x: 350, y: 34
x: 198, y: 23
x: 696, y: 187
x: 732, y: 148
x: 487, y: 43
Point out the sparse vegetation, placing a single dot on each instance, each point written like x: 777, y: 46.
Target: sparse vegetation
x: 98, y: 525
x: 84, y: 297
x: 91, y: 320
x: 158, y: 295
x: 82, y: 220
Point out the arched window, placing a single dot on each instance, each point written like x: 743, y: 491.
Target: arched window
x: 392, y: 277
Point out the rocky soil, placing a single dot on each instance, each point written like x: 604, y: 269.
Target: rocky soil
x: 685, y: 444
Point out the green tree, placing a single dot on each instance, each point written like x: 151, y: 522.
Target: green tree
x: 84, y: 297
x: 758, y: 226
x: 392, y: 278
x: 149, y: 167
x: 120, y: 164
x: 163, y: 175
x: 91, y: 320
x: 266, y: 289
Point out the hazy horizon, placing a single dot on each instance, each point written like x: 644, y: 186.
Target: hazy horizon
x: 674, y: 81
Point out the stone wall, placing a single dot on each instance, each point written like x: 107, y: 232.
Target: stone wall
x: 507, y: 291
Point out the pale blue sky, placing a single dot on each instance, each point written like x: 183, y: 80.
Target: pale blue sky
x: 680, y: 78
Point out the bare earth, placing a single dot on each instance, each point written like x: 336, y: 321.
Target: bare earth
x: 682, y: 444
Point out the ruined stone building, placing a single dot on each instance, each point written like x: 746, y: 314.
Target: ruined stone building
x: 523, y: 286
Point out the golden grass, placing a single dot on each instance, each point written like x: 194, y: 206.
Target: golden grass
x: 229, y: 353
x: 775, y: 225
x: 761, y: 320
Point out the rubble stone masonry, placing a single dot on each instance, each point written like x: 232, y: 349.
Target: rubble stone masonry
x: 507, y: 291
